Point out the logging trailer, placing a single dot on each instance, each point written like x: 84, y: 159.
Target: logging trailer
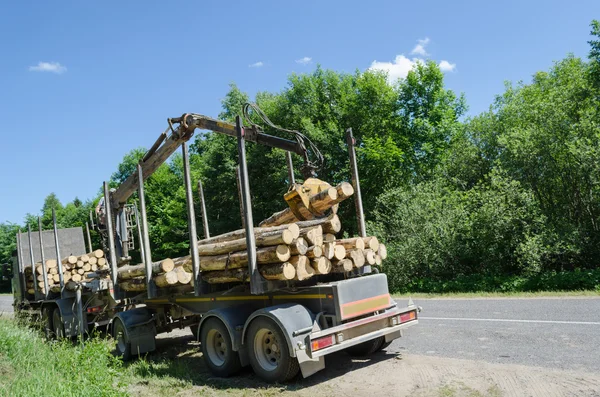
x: 277, y: 327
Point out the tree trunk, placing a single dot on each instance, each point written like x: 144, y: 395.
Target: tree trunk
x: 183, y: 277
x: 279, y: 271
x: 316, y: 251
x: 382, y: 251
x: 378, y: 260
x: 351, y: 243
x: 313, y: 234
x: 321, y: 265
x: 357, y: 256
x: 165, y: 280
x: 371, y: 243
x: 262, y: 240
x: 241, y: 233
x: 302, y: 265
x: 134, y: 285
x: 276, y: 254
x: 330, y: 225
x: 339, y: 252
x: 131, y: 271
x: 329, y: 250
x: 342, y: 266
x: 299, y: 246
x: 369, y: 256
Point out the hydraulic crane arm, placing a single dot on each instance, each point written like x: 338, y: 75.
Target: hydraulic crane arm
x: 182, y: 129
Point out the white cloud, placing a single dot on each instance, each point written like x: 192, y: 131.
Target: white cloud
x: 256, y: 65
x: 446, y: 66
x: 398, y: 69
x: 304, y: 61
x: 420, y: 47
x: 52, y: 67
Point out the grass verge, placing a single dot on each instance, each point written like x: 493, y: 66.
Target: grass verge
x: 473, y: 295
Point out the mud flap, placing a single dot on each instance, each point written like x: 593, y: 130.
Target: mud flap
x: 309, y: 366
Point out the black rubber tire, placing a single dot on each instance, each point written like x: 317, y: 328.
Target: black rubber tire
x: 47, y: 320
x: 288, y: 366
x: 384, y: 345
x: 57, y: 324
x: 123, y: 346
x: 366, y: 348
x: 230, y: 364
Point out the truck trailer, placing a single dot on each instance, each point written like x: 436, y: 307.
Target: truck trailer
x: 279, y: 328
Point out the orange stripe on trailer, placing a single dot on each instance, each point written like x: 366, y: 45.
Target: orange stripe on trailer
x: 363, y: 306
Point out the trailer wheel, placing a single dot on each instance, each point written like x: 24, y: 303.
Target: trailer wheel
x: 367, y: 348
x: 47, y: 320
x: 270, y: 356
x: 57, y: 324
x: 217, y: 348
x: 123, y: 345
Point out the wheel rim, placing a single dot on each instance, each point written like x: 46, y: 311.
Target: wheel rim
x: 267, y: 349
x: 121, y: 338
x: 216, y: 348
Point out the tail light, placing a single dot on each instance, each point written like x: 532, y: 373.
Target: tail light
x: 95, y: 309
x: 407, y: 316
x: 322, y: 343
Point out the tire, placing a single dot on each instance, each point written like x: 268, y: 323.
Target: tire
x: 269, y: 353
x: 47, y: 321
x: 367, y: 348
x: 217, y: 349
x: 123, y: 346
x: 57, y: 324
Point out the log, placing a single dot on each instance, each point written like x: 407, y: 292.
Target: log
x: 339, y: 252
x: 262, y: 240
x: 316, y: 251
x: 351, y: 243
x: 72, y: 259
x: 67, y: 276
x: 56, y: 278
x: 302, y: 265
x: 94, y: 267
x: 134, y: 285
x: 378, y: 260
x: 183, y: 277
x: 92, y: 260
x: 76, y: 277
x: 357, y: 256
x: 79, y: 263
x: 371, y: 242
x: 278, y: 271
x: 313, y: 234
x: 131, y: 271
x: 241, y: 233
x: 328, y: 238
x: 80, y: 270
x: 330, y: 224
x: 84, y: 258
x: 165, y: 280
x: 53, y: 271
x: 87, y: 267
x: 329, y: 250
x: 299, y: 246
x: 98, y: 254
x: 369, y: 256
x: 320, y: 203
x: 382, y: 251
x: 51, y: 264
x: 321, y: 265
x: 342, y: 266
x: 102, y: 262
x: 276, y: 254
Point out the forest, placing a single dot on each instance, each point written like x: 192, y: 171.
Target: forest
x: 506, y: 200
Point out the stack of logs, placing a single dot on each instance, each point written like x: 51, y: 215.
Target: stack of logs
x: 75, y: 270
x: 287, y: 249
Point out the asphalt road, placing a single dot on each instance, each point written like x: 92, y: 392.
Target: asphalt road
x: 544, y: 332
x: 554, y: 333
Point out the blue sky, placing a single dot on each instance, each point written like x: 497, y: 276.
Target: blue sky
x: 84, y: 82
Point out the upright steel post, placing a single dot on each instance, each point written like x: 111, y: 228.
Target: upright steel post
x: 58, y: 258
x: 189, y: 198
x: 145, y: 236
x: 35, y: 281
x: 240, y: 196
x: 139, y: 230
x: 89, y: 237
x: 290, y: 165
x: 43, y: 256
x: 92, y: 220
x: 22, y: 278
x: 203, y: 209
x: 111, y: 236
x: 257, y: 282
x: 360, y: 216
x: 80, y: 312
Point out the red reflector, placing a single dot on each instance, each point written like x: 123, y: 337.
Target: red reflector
x: 321, y: 343
x: 407, y: 317
x: 94, y: 309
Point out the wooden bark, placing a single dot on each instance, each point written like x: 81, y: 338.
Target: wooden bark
x: 134, y: 285
x: 371, y: 243
x: 369, y: 256
x: 276, y: 254
x: 131, y: 271
x: 241, y: 233
x: 382, y: 251
x: 299, y: 246
x: 342, y: 266
x: 313, y: 234
x: 321, y: 265
x: 351, y: 243
x: 339, y: 252
x: 279, y: 271
x: 266, y: 239
x: 357, y: 256
x: 165, y: 279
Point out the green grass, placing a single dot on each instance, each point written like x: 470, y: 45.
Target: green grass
x: 538, y: 294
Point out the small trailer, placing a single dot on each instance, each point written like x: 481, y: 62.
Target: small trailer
x: 278, y: 328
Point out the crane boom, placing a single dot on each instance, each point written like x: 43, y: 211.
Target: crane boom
x: 166, y: 145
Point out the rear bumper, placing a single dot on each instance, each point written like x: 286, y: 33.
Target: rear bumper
x: 353, y: 333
